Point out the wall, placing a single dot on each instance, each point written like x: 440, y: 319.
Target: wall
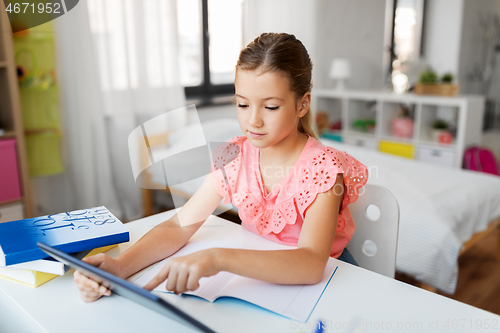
x: 296, y: 17
x: 352, y: 29
x: 473, y: 33
x: 473, y: 50
x: 442, y: 34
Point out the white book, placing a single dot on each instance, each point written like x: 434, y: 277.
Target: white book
x: 292, y: 301
x: 50, y: 265
x: 42, y: 265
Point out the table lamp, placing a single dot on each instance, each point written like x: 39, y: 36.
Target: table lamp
x: 340, y: 71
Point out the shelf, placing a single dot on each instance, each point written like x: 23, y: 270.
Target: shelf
x: 42, y: 37
x: 435, y: 144
x: 396, y: 139
x: 8, y: 134
x: 360, y: 134
x: 38, y: 89
x: 12, y: 121
x: 4, y: 203
x: 42, y: 131
x: 463, y: 114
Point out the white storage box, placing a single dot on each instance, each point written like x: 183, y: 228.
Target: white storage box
x: 367, y: 143
x: 436, y: 156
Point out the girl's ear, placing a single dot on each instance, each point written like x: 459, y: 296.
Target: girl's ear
x: 305, y: 103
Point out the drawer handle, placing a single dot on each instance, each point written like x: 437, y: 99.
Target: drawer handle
x: 436, y: 153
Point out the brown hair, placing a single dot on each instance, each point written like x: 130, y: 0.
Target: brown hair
x: 283, y: 53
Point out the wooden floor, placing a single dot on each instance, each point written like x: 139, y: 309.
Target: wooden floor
x: 478, y: 276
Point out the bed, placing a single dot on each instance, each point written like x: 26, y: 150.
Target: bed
x: 443, y: 211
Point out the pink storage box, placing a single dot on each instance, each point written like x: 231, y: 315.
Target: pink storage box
x: 10, y: 188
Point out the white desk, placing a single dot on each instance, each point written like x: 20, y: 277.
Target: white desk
x: 355, y: 298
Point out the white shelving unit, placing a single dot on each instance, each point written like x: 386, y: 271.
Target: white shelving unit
x: 465, y: 111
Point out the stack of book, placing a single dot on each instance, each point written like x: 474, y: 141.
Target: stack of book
x: 83, y: 232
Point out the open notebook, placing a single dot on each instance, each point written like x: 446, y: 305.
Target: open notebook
x: 292, y: 301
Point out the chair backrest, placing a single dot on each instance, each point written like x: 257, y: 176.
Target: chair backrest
x: 374, y: 243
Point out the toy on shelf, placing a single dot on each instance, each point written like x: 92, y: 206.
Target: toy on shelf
x: 402, y: 126
x: 336, y: 126
x: 327, y: 130
x: 28, y: 74
x: 321, y: 121
x: 364, y: 125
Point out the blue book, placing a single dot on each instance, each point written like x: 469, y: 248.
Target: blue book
x: 70, y: 232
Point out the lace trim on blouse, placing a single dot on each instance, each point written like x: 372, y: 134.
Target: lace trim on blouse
x: 315, y: 175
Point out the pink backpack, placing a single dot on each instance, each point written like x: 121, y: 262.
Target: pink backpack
x: 481, y: 159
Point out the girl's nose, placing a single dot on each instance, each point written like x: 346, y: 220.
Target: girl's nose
x: 255, y: 118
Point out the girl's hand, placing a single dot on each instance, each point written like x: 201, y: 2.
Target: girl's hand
x: 183, y: 273
x: 90, y: 290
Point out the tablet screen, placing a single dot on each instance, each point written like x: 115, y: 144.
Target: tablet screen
x: 126, y: 289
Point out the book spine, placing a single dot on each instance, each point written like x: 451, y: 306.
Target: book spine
x: 34, y: 278
x: 77, y: 246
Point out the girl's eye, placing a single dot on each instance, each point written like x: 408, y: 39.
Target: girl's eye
x: 267, y: 107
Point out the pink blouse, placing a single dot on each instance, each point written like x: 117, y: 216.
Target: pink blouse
x: 279, y: 215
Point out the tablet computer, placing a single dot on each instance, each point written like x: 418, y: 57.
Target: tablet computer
x: 126, y: 289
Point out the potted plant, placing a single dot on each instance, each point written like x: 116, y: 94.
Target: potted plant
x: 438, y: 127
x: 447, y: 78
x: 428, y: 77
x: 431, y: 84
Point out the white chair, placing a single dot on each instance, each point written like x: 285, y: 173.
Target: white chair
x: 374, y: 243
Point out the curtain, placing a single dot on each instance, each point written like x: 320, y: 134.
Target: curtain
x: 118, y: 67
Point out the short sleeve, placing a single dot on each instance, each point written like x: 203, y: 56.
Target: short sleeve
x: 355, y: 177
x: 226, y: 165
x: 320, y: 174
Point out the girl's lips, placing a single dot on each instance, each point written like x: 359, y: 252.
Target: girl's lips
x: 256, y: 135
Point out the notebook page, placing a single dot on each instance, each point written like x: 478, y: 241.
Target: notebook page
x: 292, y: 301
x: 209, y: 286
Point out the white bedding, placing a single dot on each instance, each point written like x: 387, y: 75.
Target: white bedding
x: 440, y: 207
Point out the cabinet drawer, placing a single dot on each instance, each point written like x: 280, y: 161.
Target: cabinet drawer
x: 399, y: 149
x: 367, y: 143
x: 9, y: 175
x: 11, y: 212
x: 436, y: 156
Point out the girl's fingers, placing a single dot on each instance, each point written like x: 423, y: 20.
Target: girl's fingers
x: 95, y: 260
x: 180, y: 285
x: 82, y: 280
x: 158, y: 278
x: 104, y: 291
x: 193, y: 281
x: 172, y: 280
x: 90, y: 286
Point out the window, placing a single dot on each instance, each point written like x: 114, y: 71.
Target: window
x: 210, y: 39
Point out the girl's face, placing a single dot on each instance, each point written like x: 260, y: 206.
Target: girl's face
x: 268, y: 110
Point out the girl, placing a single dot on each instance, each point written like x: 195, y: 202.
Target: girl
x: 288, y: 187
